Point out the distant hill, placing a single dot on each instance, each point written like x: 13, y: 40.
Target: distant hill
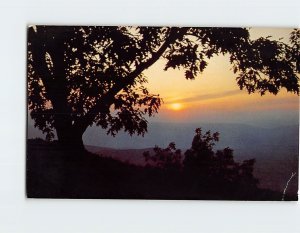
x: 132, y: 156
x: 232, y: 135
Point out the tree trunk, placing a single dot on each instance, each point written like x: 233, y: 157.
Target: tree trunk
x: 70, y: 139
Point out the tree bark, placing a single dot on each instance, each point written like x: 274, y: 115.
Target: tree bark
x: 70, y: 139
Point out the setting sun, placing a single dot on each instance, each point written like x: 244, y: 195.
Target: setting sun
x: 176, y: 106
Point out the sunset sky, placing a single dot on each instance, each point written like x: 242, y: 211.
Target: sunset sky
x: 214, y: 95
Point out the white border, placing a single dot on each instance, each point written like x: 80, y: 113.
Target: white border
x: 18, y: 214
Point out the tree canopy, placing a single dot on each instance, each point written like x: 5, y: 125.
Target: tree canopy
x: 84, y: 75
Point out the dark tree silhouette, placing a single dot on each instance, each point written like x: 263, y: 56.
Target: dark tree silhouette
x: 79, y: 76
x: 201, y: 162
x: 168, y: 158
x: 203, y: 171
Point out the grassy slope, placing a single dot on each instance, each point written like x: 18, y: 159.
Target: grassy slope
x: 55, y: 173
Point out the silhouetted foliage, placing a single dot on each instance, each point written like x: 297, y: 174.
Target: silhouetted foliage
x: 203, y: 167
x: 202, y: 162
x: 168, y: 158
x: 79, y: 75
x: 295, y: 49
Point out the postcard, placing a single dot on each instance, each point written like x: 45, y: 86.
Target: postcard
x: 123, y: 112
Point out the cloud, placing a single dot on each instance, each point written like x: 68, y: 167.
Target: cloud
x: 205, y: 97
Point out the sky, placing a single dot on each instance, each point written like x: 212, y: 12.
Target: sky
x: 214, y: 95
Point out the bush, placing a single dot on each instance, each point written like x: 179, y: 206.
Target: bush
x: 168, y: 158
x: 202, y: 167
x: 218, y: 166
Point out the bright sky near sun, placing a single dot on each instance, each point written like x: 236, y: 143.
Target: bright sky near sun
x: 215, y: 95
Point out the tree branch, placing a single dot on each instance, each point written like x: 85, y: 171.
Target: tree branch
x: 107, y: 99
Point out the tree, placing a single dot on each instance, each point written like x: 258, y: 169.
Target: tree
x: 168, y: 158
x: 79, y: 76
x: 200, y: 157
x: 202, y: 163
x: 202, y: 170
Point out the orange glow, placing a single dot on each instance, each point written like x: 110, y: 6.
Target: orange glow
x: 176, y: 106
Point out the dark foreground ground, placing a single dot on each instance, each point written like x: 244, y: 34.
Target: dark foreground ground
x: 56, y: 173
